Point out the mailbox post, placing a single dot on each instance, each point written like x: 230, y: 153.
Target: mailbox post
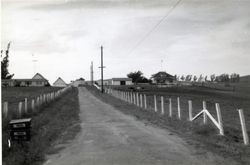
x: 20, y: 129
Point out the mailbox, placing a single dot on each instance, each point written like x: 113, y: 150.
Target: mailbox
x: 20, y: 129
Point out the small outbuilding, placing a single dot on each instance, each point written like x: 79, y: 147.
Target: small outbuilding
x: 59, y: 83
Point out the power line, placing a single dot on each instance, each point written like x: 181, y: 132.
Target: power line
x: 154, y: 28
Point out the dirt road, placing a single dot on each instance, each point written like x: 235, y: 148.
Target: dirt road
x: 109, y: 137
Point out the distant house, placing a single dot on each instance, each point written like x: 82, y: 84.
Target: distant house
x: 245, y: 79
x: 59, y: 83
x: 78, y: 82
x: 37, y: 81
x: 116, y: 81
x: 162, y: 78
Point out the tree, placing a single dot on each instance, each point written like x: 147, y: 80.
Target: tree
x: 137, y: 77
x: 212, y: 77
x: 195, y: 78
x: 4, y: 65
x: 200, y: 78
x: 182, y: 77
x: 205, y: 78
x: 234, y: 77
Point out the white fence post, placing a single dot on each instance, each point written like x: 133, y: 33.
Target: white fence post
x: 37, y: 102
x: 137, y: 100
x: 131, y: 97
x: 145, y: 101
x: 134, y: 98
x: 141, y: 101
x: 26, y: 105
x: 155, y: 103
x: 5, y: 109
x: 20, y: 109
x: 190, y: 110
x: 33, y: 105
x: 243, y: 127
x: 170, y: 107
x: 219, y: 118
x: 204, y: 114
x: 162, y: 105
x: 179, y: 107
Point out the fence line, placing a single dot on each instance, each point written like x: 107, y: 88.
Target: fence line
x: 36, y: 103
x: 140, y: 100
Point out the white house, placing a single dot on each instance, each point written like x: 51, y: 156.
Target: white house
x: 116, y: 81
x: 78, y: 82
x: 37, y: 81
x: 59, y: 83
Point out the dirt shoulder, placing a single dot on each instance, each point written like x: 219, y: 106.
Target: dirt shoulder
x: 202, y: 138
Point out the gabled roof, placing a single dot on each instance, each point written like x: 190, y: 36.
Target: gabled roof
x: 59, y: 81
x: 165, y: 74
x: 38, y: 76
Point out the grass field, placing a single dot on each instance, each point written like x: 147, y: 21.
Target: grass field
x: 230, y: 145
x: 13, y: 95
x: 57, y: 120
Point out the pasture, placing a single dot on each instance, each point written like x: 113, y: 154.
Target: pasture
x: 14, y: 95
x: 198, y: 134
x: 48, y: 124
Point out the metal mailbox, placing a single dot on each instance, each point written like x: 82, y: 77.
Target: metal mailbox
x: 20, y: 129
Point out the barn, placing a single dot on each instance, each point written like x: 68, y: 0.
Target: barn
x: 59, y: 83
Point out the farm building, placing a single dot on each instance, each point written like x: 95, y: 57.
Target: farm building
x: 37, y: 80
x: 116, y: 81
x: 78, y: 82
x: 59, y: 83
x: 162, y: 78
x: 245, y: 79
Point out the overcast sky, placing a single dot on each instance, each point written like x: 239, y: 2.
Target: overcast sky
x: 197, y: 37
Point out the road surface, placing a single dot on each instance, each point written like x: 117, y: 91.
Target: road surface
x: 109, y: 137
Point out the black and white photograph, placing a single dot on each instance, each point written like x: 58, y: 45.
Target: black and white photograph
x: 125, y: 82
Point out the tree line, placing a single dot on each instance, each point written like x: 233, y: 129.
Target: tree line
x: 138, y: 77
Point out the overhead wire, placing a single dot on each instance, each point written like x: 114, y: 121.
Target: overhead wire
x: 154, y: 27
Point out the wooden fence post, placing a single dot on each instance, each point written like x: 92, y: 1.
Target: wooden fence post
x: 243, y: 127
x: 131, y: 97
x: 134, y: 98
x: 204, y: 114
x: 145, y: 101
x: 25, y: 105
x: 33, y: 105
x: 5, y: 109
x: 162, y: 105
x: 20, y: 109
x: 170, y: 107
x: 37, y: 102
x: 219, y: 118
x: 141, y: 101
x: 155, y: 103
x: 137, y: 100
x: 190, y: 110
x: 179, y: 107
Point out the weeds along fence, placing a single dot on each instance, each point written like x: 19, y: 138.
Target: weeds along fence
x: 165, y: 106
x: 26, y: 107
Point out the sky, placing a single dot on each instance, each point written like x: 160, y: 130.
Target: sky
x: 60, y: 38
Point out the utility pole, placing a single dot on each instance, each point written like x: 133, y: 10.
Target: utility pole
x: 102, y: 69
x: 92, y: 73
